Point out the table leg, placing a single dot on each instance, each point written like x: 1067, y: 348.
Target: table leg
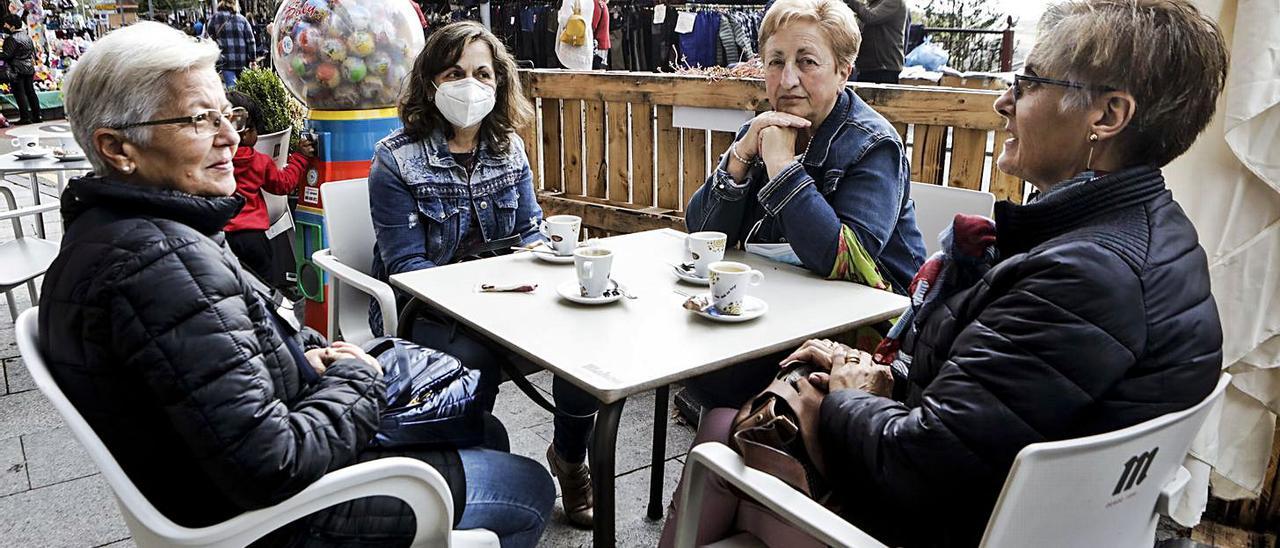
x: 603, y: 448
x: 656, y: 468
x: 35, y: 191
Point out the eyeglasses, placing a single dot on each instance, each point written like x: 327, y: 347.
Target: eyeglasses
x: 205, y: 123
x: 1020, y: 84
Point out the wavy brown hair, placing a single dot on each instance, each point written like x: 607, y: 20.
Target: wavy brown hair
x: 511, y: 109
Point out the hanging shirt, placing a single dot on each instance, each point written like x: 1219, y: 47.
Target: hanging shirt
x: 600, y: 24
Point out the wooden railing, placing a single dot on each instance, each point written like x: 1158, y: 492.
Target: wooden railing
x: 605, y: 147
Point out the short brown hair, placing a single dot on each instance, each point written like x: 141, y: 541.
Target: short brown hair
x: 511, y: 109
x: 835, y: 18
x: 1165, y: 53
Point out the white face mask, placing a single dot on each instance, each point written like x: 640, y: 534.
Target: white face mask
x: 782, y: 253
x: 464, y: 103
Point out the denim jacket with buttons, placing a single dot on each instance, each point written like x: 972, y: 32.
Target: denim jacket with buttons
x: 423, y: 204
x: 852, y: 179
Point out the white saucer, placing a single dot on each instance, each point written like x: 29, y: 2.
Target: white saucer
x: 752, y: 308
x: 31, y: 153
x: 553, y: 258
x: 569, y: 290
x: 689, y: 276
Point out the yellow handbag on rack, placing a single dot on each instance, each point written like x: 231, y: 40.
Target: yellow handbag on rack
x: 575, y: 28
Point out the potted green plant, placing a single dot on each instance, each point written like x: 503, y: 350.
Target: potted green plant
x: 280, y: 111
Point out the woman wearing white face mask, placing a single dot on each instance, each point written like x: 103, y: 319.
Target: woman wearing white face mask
x: 455, y: 183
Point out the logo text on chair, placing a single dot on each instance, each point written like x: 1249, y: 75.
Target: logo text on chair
x: 1135, y: 471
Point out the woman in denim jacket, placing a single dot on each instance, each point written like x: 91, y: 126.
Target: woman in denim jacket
x: 820, y: 182
x: 453, y: 181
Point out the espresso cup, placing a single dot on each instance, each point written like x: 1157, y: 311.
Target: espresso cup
x: 593, y: 265
x: 562, y: 232
x: 729, y: 281
x: 26, y: 142
x: 705, y: 248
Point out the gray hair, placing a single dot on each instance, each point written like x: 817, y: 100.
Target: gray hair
x: 1165, y: 53
x: 125, y: 78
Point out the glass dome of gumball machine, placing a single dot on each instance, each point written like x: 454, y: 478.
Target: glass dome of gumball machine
x: 347, y: 60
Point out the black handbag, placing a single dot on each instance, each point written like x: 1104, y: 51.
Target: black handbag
x: 431, y: 397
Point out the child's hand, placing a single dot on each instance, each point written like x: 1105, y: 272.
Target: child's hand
x: 307, y: 147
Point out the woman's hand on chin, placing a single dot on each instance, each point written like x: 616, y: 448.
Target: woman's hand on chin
x: 749, y: 145
x: 778, y: 148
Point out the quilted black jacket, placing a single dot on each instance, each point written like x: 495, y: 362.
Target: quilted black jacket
x: 1099, y: 317
x: 153, y: 331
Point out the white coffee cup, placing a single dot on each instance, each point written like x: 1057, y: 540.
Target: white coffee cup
x: 562, y: 231
x: 729, y: 281
x: 705, y: 248
x: 26, y: 142
x: 593, y: 265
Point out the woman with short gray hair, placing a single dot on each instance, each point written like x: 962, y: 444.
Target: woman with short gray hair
x: 1084, y: 311
x: 211, y: 403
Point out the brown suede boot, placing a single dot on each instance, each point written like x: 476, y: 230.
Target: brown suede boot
x: 575, y: 489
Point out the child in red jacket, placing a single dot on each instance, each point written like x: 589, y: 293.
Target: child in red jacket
x: 255, y: 172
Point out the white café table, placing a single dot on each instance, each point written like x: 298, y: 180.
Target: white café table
x: 11, y: 165
x: 630, y: 346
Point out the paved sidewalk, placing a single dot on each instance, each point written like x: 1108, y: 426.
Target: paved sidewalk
x: 51, y: 495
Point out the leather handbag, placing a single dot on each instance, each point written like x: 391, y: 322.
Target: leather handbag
x: 431, y: 397
x: 767, y: 433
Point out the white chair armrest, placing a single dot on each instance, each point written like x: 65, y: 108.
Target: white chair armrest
x: 476, y: 538
x: 1172, y: 491
x: 380, y: 291
x: 793, y: 506
x: 410, y: 480
x: 29, y: 210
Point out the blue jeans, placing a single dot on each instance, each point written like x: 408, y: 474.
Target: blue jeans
x: 507, y: 494
x: 229, y: 78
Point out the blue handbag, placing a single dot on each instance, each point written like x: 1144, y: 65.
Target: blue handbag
x: 431, y: 397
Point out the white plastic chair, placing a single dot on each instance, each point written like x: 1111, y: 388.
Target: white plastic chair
x: 1103, y: 490
x: 410, y: 480
x: 349, y: 228
x: 24, y: 258
x: 937, y: 206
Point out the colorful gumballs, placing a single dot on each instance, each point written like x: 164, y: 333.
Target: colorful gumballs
x: 371, y: 90
x: 358, y: 17
x: 361, y: 43
x: 354, y: 69
x: 334, y: 50
x: 308, y: 39
x: 328, y: 74
x: 316, y: 11
x: 299, y: 65
x: 379, y: 63
x: 346, y: 96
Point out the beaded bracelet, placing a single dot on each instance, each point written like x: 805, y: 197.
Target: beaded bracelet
x: 733, y: 149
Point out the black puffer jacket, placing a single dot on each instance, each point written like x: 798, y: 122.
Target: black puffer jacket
x: 1099, y: 317
x: 153, y: 331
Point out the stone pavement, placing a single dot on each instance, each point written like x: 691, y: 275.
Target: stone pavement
x: 51, y: 494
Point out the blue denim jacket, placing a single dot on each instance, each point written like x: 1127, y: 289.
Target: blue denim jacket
x: 854, y: 174
x: 423, y: 206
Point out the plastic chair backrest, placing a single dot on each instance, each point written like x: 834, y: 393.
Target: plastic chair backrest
x: 349, y: 228
x: 138, y: 512
x: 1098, y: 490
x: 937, y: 205
x: 275, y: 145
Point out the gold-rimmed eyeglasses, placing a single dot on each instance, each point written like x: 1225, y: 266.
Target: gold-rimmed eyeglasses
x: 204, y: 123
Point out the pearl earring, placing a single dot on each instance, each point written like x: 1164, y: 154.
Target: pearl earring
x: 1088, y: 163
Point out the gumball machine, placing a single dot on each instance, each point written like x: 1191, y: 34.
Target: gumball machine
x: 347, y: 60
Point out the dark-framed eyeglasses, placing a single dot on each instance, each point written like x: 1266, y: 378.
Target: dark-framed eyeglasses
x: 1022, y: 82
x: 204, y: 123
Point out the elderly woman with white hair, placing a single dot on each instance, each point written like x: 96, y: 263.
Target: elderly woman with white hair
x: 212, y: 404
x: 1084, y: 311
